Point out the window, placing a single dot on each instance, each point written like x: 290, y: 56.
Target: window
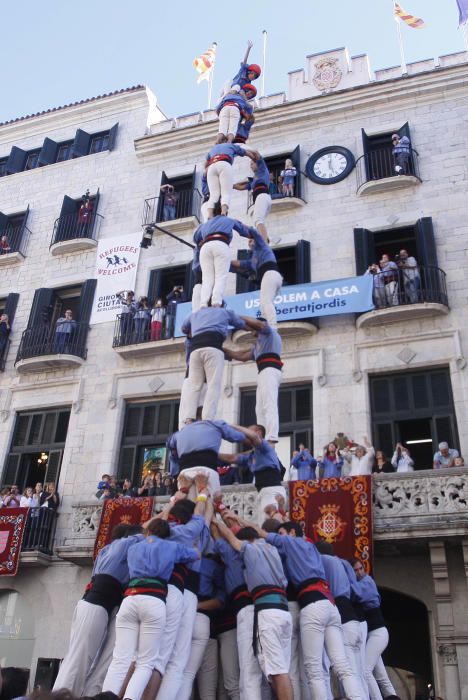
x: 164, y: 279
x: 32, y: 160
x: 295, y: 417
x: 293, y: 262
x: 36, y: 448
x: 78, y: 218
x: 13, y: 232
x: 3, y: 162
x: 416, y: 409
x: 99, y: 143
x: 147, y: 427
x: 177, y: 200
x: 276, y: 165
x: 64, y: 151
x: 379, y: 159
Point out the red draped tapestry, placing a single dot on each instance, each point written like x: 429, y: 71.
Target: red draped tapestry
x: 12, y: 525
x: 118, y: 511
x: 338, y: 511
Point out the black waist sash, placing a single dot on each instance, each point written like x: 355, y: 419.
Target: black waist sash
x: 374, y: 619
x: 313, y: 589
x: 154, y: 587
x: 261, y: 188
x: 268, y: 359
x: 207, y: 339
x: 259, y: 595
x: 192, y: 582
x: 267, y: 477
x: 217, y: 236
x: 346, y: 609
x: 271, y: 265
x: 104, y: 590
x: 199, y: 458
x: 222, y: 621
x: 179, y: 576
x: 240, y: 598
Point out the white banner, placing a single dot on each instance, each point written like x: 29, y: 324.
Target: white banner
x: 116, y: 267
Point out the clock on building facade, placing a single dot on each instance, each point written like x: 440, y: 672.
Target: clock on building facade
x: 330, y: 165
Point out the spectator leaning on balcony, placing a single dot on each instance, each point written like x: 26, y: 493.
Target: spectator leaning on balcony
x: 12, y: 499
x: 64, y: 329
x: 458, y: 462
x: 170, y: 199
x: 389, y: 275
x: 27, y: 500
x: 50, y: 498
x: 401, y: 459
x: 401, y: 152
x: 128, y: 306
x: 5, y: 330
x: 362, y: 460
x: 304, y: 464
x: 158, y: 313
x: 141, y: 320
x: 4, y: 245
x: 445, y: 457
x: 331, y: 462
x: 382, y: 465
x: 410, y: 272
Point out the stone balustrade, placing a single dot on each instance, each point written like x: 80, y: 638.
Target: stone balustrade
x: 406, y: 506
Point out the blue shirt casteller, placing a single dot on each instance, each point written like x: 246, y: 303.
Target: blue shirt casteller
x: 155, y: 558
x: 231, y: 150
x: 195, y: 534
x: 336, y: 576
x: 233, y: 565
x: 112, y: 559
x: 261, y: 176
x: 367, y: 593
x: 241, y: 101
x: 260, y: 254
x: 305, y: 465
x: 219, y: 224
x: 262, y: 457
x: 211, y: 580
x: 302, y: 560
x: 268, y: 341
x: 240, y: 77
x: 212, y: 319
x: 263, y: 565
x: 204, y: 435
x: 243, y: 130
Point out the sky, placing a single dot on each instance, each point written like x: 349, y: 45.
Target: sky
x: 55, y: 52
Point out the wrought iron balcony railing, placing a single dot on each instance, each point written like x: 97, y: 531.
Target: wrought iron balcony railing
x: 156, y: 211
x: 415, y: 285
x: 129, y: 330
x: 40, y: 530
x: 69, y: 227
x: 381, y: 164
x: 14, y: 239
x: 44, y: 340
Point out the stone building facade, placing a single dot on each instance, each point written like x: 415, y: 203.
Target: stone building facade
x: 394, y: 373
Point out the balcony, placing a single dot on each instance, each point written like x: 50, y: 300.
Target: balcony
x: 398, y: 298
x: 42, y: 348
x: 36, y: 549
x: 72, y: 236
x: 283, y: 202
x: 185, y: 215
x: 412, y: 506
x: 377, y: 171
x: 134, y: 340
x: 13, y: 243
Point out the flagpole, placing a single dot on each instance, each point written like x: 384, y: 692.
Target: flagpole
x: 264, y: 61
x: 404, y: 69
x: 210, y: 79
x: 464, y: 32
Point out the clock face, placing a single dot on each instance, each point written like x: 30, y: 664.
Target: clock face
x: 330, y: 165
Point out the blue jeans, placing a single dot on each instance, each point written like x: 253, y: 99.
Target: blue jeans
x: 169, y: 212
x: 61, y: 342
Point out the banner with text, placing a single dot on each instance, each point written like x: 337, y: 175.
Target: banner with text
x: 116, y: 267
x: 302, y: 301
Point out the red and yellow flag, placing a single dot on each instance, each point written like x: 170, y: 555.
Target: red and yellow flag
x: 204, y: 64
x: 410, y: 20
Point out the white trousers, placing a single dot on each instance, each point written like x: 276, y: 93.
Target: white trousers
x: 229, y: 118
x: 213, y: 479
x: 250, y: 675
x: 220, y: 180
x: 172, y: 679
x: 229, y: 659
x: 321, y: 627
x: 261, y: 208
x: 87, y: 635
x: 215, y: 260
x: 196, y: 296
x: 383, y: 681
x: 266, y: 403
x: 200, y: 637
x: 174, y: 609
x: 207, y: 676
x: 186, y: 403
x: 269, y: 288
x: 352, y: 641
x: 377, y: 642
x: 205, y: 364
x: 267, y: 497
x: 274, y: 642
x: 204, y: 211
x: 96, y: 676
x: 294, y: 669
x: 139, y: 630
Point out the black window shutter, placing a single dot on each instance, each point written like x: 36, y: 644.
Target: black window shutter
x: 365, y: 141
x: 48, y: 152
x: 193, y: 204
x: 81, y: 144
x: 11, y: 470
x: 96, y: 201
x: 3, y: 222
x: 164, y: 181
x: 243, y: 284
x: 155, y: 285
x: 127, y: 459
x: 69, y: 206
x: 405, y: 131
x: 16, y: 160
x: 188, y: 282
x: 86, y: 301
x: 364, y: 249
x: 113, y: 136
x: 53, y: 466
x: 42, y: 307
x: 296, y: 160
x: 10, y: 306
x: 425, y: 243
x: 302, y: 262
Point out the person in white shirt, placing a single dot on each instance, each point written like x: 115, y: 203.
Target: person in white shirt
x: 401, y: 459
x: 361, y: 461
x: 27, y: 499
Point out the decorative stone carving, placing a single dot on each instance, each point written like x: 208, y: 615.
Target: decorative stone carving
x: 86, y: 520
x: 327, y: 75
x: 406, y: 355
x: 448, y: 652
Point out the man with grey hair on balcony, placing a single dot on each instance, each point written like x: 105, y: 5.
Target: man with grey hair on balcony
x: 444, y: 458
x: 410, y: 273
x: 401, y: 152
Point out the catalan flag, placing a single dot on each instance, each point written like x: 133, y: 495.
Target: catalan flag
x: 204, y: 64
x: 410, y: 20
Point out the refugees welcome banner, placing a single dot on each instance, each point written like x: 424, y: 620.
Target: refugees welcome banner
x: 116, y: 268
x: 303, y: 301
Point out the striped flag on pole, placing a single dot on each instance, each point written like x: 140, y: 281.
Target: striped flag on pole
x: 204, y: 64
x: 463, y: 10
x: 410, y: 20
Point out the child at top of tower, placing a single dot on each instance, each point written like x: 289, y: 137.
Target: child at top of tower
x: 231, y: 109
x: 246, y: 74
